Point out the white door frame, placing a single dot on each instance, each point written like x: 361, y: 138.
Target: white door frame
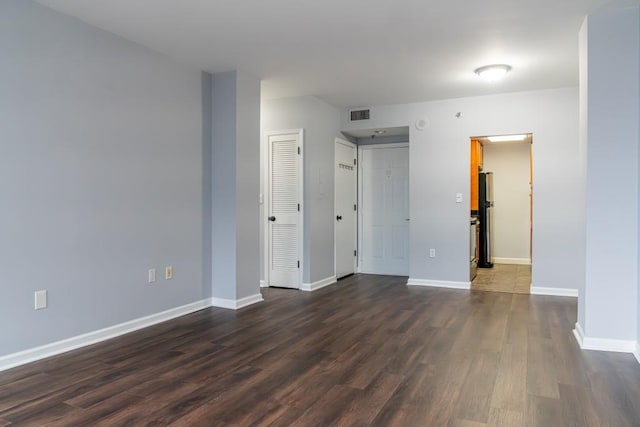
x: 360, y: 231
x: 355, y: 184
x: 267, y: 198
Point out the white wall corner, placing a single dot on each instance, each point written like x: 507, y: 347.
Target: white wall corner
x: 232, y: 304
x: 579, y: 334
x: 31, y: 355
x: 557, y: 292
x: 439, y: 284
x: 606, y: 344
x: 310, y: 287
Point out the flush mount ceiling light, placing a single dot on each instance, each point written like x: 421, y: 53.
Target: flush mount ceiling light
x: 507, y: 138
x: 494, y: 72
x: 380, y: 132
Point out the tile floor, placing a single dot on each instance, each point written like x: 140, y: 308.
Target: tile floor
x: 515, y: 279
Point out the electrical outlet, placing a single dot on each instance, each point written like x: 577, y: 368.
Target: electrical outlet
x: 432, y: 253
x: 168, y: 272
x: 458, y: 197
x: 152, y: 275
x: 40, y: 299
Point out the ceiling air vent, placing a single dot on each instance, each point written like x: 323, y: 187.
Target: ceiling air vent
x: 356, y: 115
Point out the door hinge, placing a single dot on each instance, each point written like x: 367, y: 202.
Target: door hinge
x: 355, y: 207
x: 298, y: 150
x: 355, y: 162
x: 355, y: 252
x: 298, y: 264
x: 298, y: 207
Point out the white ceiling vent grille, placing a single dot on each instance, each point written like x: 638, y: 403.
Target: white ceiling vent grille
x: 358, y: 115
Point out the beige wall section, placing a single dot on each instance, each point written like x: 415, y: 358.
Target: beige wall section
x: 509, y: 163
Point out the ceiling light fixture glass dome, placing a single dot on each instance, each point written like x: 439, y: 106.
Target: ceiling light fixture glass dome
x: 494, y: 72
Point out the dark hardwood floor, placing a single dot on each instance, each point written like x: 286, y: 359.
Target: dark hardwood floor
x: 366, y: 351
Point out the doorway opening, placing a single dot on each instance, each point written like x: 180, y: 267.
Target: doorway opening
x: 502, y: 207
x: 383, y: 201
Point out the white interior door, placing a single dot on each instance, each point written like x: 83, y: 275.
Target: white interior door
x: 384, y: 172
x: 345, y: 207
x: 284, y: 215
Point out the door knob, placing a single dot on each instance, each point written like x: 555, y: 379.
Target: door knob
x: 272, y: 218
x: 339, y: 217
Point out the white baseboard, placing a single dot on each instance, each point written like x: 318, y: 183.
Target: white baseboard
x: 637, y: 352
x: 439, y: 284
x: 558, y: 292
x: 579, y: 334
x: 233, y: 304
x: 31, y: 355
x: 516, y: 261
x: 263, y: 283
x: 604, y: 344
x: 310, y: 287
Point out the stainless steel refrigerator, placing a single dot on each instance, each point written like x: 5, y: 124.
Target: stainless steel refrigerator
x: 485, y: 215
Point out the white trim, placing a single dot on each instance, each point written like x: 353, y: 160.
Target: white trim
x: 379, y: 146
x: 266, y: 201
x: 604, y: 344
x: 558, y: 292
x: 637, y: 352
x: 579, y: 334
x: 236, y: 304
x: 354, y: 147
x: 263, y: 283
x: 439, y: 284
x: 516, y: 261
x: 63, y: 346
x: 310, y: 287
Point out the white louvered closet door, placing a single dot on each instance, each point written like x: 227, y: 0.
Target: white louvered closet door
x: 284, y: 222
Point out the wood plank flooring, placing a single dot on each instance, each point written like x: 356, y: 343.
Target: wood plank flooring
x: 366, y: 351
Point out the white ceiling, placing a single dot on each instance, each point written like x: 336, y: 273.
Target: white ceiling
x: 358, y: 52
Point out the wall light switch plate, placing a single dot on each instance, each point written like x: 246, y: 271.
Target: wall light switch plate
x: 432, y: 253
x: 458, y: 197
x: 168, y: 272
x: 152, y: 275
x: 40, y: 298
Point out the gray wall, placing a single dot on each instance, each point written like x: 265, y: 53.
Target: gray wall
x: 612, y: 138
x: 224, y: 185
x: 248, y: 185
x: 100, y: 178
x: 236, y: 184
x: 207, y: 183
x: 440, y: 169
x: 320, y: 122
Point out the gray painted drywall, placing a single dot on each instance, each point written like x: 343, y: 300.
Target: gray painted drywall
x: 207, y: 182
x: 509, y: 163
x: 248, y: 185
x: 582, y: 156
x: 613, y: 67
x: 439, y: 163
x: 236, y: 183
x: 100, y: 178
x: 224, y: 185
x: 320, y: 122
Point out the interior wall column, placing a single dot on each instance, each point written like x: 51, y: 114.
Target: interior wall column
x: 610, y: 69
x: 235, y: 187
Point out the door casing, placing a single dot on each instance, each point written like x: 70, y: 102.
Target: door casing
x: 299, y: 133
x: 351, y: 211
